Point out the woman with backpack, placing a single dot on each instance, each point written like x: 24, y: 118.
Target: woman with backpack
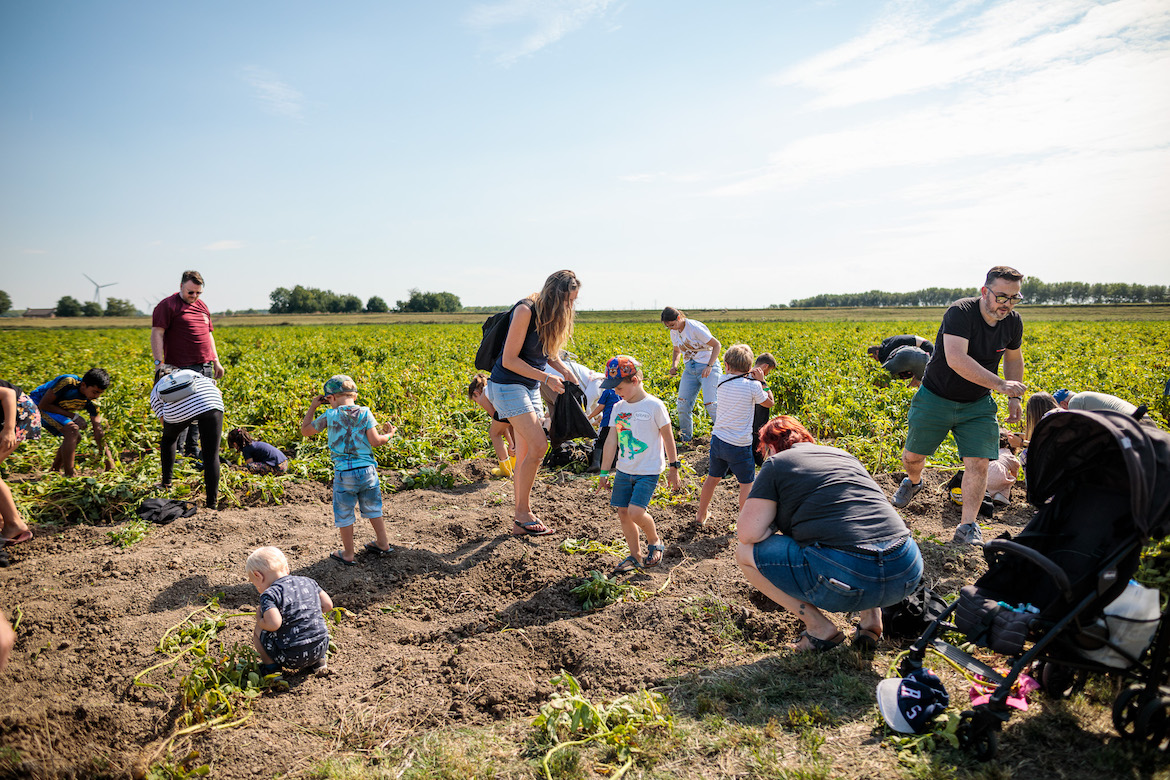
x: 539, y: 326
x: 178, y: 397
x: 817, y: 533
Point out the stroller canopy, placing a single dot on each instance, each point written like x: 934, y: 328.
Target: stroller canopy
x: 1107, y: 448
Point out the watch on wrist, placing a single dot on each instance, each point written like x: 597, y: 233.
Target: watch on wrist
x: 674, y: 464
x: 158, y: 362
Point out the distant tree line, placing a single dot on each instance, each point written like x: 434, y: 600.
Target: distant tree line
x: 307, y: 300
x: 69, y: 306
x: 1033, y: 290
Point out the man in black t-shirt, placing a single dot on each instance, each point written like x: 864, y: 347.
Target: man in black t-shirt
x: 976, y: 333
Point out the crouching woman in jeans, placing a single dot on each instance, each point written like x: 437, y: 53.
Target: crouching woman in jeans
x: 817, y: 533
x: 204, y: 404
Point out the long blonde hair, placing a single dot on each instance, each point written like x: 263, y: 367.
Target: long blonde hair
x: 1039, y: 405
x: 554, y: 311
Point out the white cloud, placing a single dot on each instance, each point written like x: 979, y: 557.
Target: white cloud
x: 1020, y: 79
x: 274, y: 95
x: 514, y: 29
x: 219, y: 246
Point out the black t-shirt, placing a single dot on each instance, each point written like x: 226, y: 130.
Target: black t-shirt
x: 985, y: 343
x: 888, y: 346
x: 13, y: 387
x: 825, y: 495
x: 531, y: 352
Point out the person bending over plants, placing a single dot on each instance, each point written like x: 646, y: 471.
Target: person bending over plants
x: 60, y: 401
x: 259, y: 457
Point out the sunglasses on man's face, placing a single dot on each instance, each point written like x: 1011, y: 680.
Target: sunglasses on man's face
x: 1012, y: 299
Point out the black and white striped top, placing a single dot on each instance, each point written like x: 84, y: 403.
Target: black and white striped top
x: 205, y: 398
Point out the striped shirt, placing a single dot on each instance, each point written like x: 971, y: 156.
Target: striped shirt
x: 738, y: 396
x: 205, y: 398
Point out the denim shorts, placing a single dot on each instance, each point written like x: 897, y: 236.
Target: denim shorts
x: 841, y: 579
x: 633, y: 489
x: 514, y: 400
x: 726, y: 457
x: 358, y: 487
x: 974, y: 423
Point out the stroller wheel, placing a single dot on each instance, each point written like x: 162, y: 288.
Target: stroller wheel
x: 977, y: 736
x: 1153, y: 723
x: 1126, y: 709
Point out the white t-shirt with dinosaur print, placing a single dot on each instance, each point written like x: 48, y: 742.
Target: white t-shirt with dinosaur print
x: 637, y: 427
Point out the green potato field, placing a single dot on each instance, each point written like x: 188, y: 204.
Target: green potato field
x: 416, y: 377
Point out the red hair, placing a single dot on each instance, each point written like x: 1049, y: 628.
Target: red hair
x: 782, y: 432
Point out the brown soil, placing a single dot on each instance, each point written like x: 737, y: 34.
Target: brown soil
x: 426, y: 647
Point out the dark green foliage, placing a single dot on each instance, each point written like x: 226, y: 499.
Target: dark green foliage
x: 69, y: 306
x: 429, y: 302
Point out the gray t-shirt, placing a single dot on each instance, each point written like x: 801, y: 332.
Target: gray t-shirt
x: 1097, y: 402
x: 825, y: 495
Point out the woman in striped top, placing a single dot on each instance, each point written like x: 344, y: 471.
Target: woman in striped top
x: 204, y: 404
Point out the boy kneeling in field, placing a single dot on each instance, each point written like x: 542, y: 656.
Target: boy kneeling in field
x: 645, y: 439
x: 290, y: 624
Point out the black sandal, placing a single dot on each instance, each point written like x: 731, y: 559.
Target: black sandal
x: 819, y: 645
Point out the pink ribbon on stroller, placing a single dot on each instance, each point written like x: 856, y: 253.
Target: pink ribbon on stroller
x: 981, y: 691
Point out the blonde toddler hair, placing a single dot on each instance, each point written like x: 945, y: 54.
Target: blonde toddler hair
x: 269, y: 560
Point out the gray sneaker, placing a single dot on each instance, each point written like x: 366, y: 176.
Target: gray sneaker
x: 968, y: 533
x: 906, y: 491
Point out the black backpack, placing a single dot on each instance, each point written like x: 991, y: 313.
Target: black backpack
x: 910, y: 616
x: 161, y: 511
x: 495, y: 333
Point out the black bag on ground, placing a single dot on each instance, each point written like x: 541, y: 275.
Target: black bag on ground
x: 986, y: 622
x: 495, y: 333
x: 567, y: 453
x: 161, y: 511
x: 910, y: 616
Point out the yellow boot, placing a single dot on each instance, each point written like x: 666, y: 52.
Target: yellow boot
x: 504, y: 469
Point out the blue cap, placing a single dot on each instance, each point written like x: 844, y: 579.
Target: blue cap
x: 1062, y: 395
x: 910, y: 704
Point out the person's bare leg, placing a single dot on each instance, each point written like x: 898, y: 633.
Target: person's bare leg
x: 630, y: 531
x: 745, y: 488
x: 705, y: 496
x: 68, y: 450
x: 912, y: 464
x: 531, y: 444
x: 380, y: 537
x: 347, y: 542
x: 14, y: 524
x: 974, y: 486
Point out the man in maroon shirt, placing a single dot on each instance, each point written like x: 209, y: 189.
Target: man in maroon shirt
x: 181, y: 336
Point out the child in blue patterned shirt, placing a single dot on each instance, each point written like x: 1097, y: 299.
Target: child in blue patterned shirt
x: 290, y: 624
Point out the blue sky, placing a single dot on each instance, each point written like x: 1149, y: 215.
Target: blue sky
x: 696, y: 154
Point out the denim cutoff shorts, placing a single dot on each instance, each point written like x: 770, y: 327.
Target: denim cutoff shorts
x: 514, y: 400
x: 633, y: 489
x: 356, y: 487
x: 841, y: 579
x: 726, y: 457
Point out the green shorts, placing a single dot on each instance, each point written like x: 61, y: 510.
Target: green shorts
x: 974, y: 423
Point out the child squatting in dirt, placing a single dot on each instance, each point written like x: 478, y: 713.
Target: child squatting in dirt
x: 645, y: 439
x: 290, y: 624
x: 353, y: 433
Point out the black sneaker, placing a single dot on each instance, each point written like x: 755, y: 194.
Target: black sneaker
x: 906, y: 491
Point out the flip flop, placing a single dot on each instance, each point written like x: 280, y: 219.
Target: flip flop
x: 865, y: 640
x: 818, y: 645
x: 372, y: 547
x: 337, y: 557
x: 654, y: 553
x: 628, y: 565
x: 22, y: 537
x: 531, y: 528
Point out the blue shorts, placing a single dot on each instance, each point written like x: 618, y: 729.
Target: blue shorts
x: 726, y: 457
x: 55, y: 423
x: 841, y: 579
x: 358, y: 487
x: 514, y: 400
x: 633, y: 489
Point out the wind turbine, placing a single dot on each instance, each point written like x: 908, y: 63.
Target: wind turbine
x: 97, y: 289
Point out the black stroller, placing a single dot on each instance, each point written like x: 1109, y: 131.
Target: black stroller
x: 1100, y: 482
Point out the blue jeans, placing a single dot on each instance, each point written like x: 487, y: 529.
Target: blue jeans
x: 724, y: 458
x: 356, y: 487
x: 689, y: 384
x: 841, y: 579
x: 514, y: 400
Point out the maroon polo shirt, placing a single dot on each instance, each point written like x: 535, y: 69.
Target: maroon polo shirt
x: 186, y: 331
